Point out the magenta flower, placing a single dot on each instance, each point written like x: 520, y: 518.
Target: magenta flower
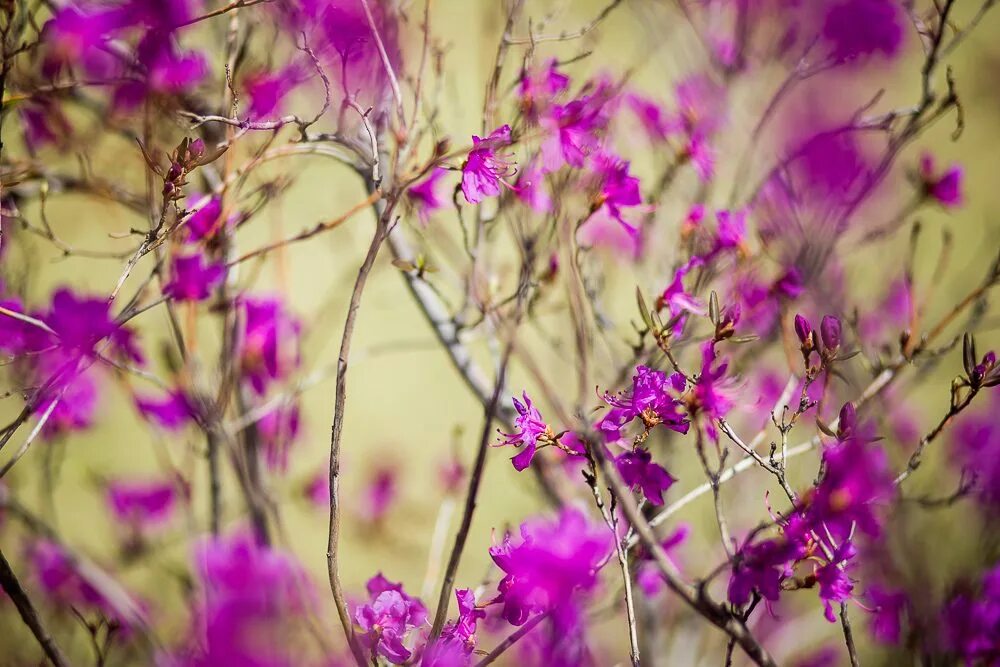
x: 647, y: 573
x: 972, y: 622
x: 278, y: 430
x: 531, y: 189
x: 387, y: 619
x: 76, y: 391
x: 834, y: 584
x: 142, y: 504
x: 379, y: 495
x: 267, y: 90
x: 651, y: 115
x: 530, y: 430
x: 648, y: 400
x: 857, y: 478
x: 172, y: 411
x: 424, y: 196
x: 639, y: 471
x: 762, y: 566
x: 712, y: 394
x: 976, y: 445
x: 944, y: 188
x: 484, y: 170
x: 861, y: 28
x: 192, y: 279
x: 83, y: 322
x: 678, y: 301
x: 538, y: 87
x: 458, y: 638
x: 550, y: 561
x: 204, y: 222
x: 270, y: 345
x: 252, y: 600
x: 888, y: 607
x: 619, y: 189
x: 572, y: 132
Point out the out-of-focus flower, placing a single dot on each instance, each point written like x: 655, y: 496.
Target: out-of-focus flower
x: 278, y: 430
x: 540, y: 86
x: 379, y: 495
x: 888, y: 607
x: 550, y: 561
x: 141, y: 503
x: 972, y: 622
x: 861, y: 28
x: 945, y: 188
x: 270, y: 345
x: 424, y: 196
x: 204, y: 222
x: 172, y: 411
x: 192, y: 279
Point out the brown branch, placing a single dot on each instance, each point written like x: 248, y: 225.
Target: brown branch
x: 17, y: 595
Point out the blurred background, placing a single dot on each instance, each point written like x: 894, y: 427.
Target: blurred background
x: 409, y: 414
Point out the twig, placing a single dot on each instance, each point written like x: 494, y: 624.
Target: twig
x: 10, y: 584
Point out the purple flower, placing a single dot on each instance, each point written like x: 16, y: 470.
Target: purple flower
x: 424, y: 196
x: 204, y: 222
x: 172, y: 411
x: 253, y: 600
x: 484, y: 170
x: 944, y: 188
x: 834, y: 584
x: 972, y: 622
x: 458, y: 638
x: 529, y: 429
x: 192, y: 279
x: 619, y: 189
x: 379, y: 495
x: 531, y: 189
x: 651, y: 116
x: 860, y: 28
x: 976, y: 443
x: 762, y: 566
x: 711, y: 395
x: 572, y: 130
x: 267, y: 90
x: 387, y: 619
x: 857, y: 477
x: 888, y: 608
x: 648, y: 400
x: 639, y: 471
x: 678, y: 301
x: 142, y: 504
x: 550, y: 561
x: 270, y: 343
x: 82, y: 322
x: 647, y: 573
x: 278, y: 430
x: 537, y: 88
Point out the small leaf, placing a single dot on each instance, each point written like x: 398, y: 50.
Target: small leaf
x: 749, y: 338
x: 968, y: 353
x: 713, y: 308
x: 825, y: 429
x: 643, y: 309
x: 404, y: 265
x: 149, y: 159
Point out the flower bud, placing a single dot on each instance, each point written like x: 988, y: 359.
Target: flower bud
x: 848, y: 423
x: 804, y: 331
x: 829, y: 331
x: 196, y: 149
x: 174, y: 172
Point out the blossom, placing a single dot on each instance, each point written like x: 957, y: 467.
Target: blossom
x: 647, y: 572
x: 619, y: 189
x: 856, y: 478
x: 834, y: 584
x: 539, y: 86
x: 424, y: 196
x: 711, y: 395
x: 572, y: 129
x: 269, y: 348
x: 652, y: 117
x: 172, y: 411
x: 648, y: 400
x: 530, y: 430
x: 888, y: 606
x: 379, y: 494
x: 253, y: 600
x: 278, y: 428
x: 458, y: 638
x: 861, y: 28
x: 676, y: 299
x: 192, y: 279
x: 484, y: 170
x: 972, y: 622
x: 830, y: 334
x: 202, y: 223
x: 531, y: 188
x: 639, y: 471
x: 267, y: 90
x: 976, y: 444
x: 142, y: 503
x: 550, y: 561
x: 81, y: 322
x: 387, y: 619
x: 944, y: 188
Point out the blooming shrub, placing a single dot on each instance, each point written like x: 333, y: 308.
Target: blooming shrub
x: 658, y: 289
